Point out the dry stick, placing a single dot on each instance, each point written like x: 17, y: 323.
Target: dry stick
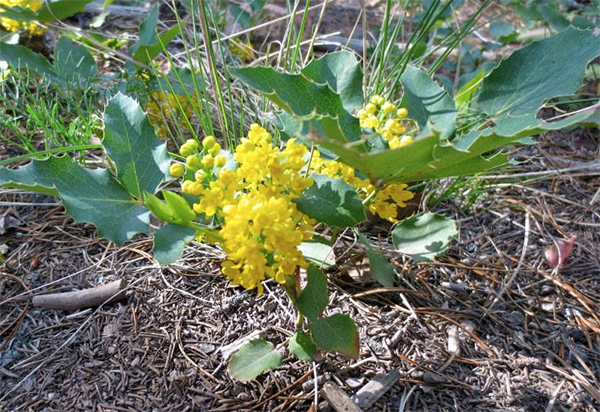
x: 85, y: 298
x: 66, y: 342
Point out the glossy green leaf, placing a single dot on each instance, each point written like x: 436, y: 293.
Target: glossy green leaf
x: 304, y: 99
x: 332, y: 201
x: 141, y: 159
x: 252, y: 359
x: 380, y: 269
x: 148, y: 35
x: 337, y: 333
x: 169, y: 242
x: 73, y: 64
x: 314, y: 297
x: 60, y: 9
x: 159, y: 208
x: 23, y: 58
x: 302, y: 346
x: 342, y: 72
x: 180, y: 207
x: 423, y: 237
x: 88, y: 195
x: 514, y: 92
x: 427, y: 102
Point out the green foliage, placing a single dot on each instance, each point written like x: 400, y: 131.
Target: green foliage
x: 380, y: 269
x: 314, y: 297
x: 302, y: 346
x: 254, y: 358
x: 336, y: 333
x: 333, y: 202
x: 140, y: 158
x: 169, y: 242
x: 318, y: 252
x: 427, y: 102
x: 22, y: 57
x: 513, y: 93
x: 88, y: 195
x: 423, y: 237
x: 60, y: 9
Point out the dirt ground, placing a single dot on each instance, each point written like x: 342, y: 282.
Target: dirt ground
x: 529, y: 336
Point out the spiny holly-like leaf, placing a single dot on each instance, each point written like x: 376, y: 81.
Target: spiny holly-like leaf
x: 304, y: 99
x: 88, y: 195
x: 423, y: 237
x: 169, y: 242
x: 314, y: 297
x: 60, y: 9
x: 23, y: 58
x: 342, y: 72
x: 141, y: 159
x: 252, y: 359
x: 73, y: 64
x: 427, y: 102
x: 332, y: 201
x: 302, y: 346
x: 514, y: 92
x: 336, y: 333
x: 380, y: 269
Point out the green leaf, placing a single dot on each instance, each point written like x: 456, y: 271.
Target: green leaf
x: 336, y: 333
x: 318, y: 253
x: 180, y: 207
x: 314, y: 297
x: 73, y: 64
x: 148, y: 28
x: 17, y: 13
x: 553, y: 17
x: 332, y: 201
x: 381, y: 270
x: 159, y: 209
x: 467, y: 91
x: 252, y: 359
x: 342, y: 72
x: 88, y: 195
x: 513, y: 93
x: 302, y: 346
x: 146, y: 53
x: 141, y: 159
x: 60, y: 9
x: 304, y: 99
x: 23, y: 58
x: 169, y: 242
x: 423, y: 237
x: 503, y: 31
x: 427, y: 102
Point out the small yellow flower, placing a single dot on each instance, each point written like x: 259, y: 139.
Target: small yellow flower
x: 402, y: 113
x: 177, y: 170
x: 208, y: 142
x: 192, y: 162
x: 208, y: 161
x: 388, y: 107
x: 220, y: 161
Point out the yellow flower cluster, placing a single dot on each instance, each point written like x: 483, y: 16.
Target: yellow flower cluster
x: 15, y: 25
x: 383, y: 202
x: 386, y: 119
x: 163, y: 108
x: 244, y: 50
x: 261, y: 226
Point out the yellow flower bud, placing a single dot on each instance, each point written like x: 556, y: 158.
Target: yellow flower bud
x: 402, y: 113
x: 193, y: 162
x: 186, y: 187
x: 208, y: 161
x: 200, y: 175
x: 388, y: 107
x: 196, y: 189
x: 220, y: 160
x: 362, y: 114
x: 215, y: 150
x: 192, y: 144
x: 378, y: 100
x: 406, y: 140
x: 208, y: 142
x: 370, y: 108
x: 177, y: 170
x: 186, y: 150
